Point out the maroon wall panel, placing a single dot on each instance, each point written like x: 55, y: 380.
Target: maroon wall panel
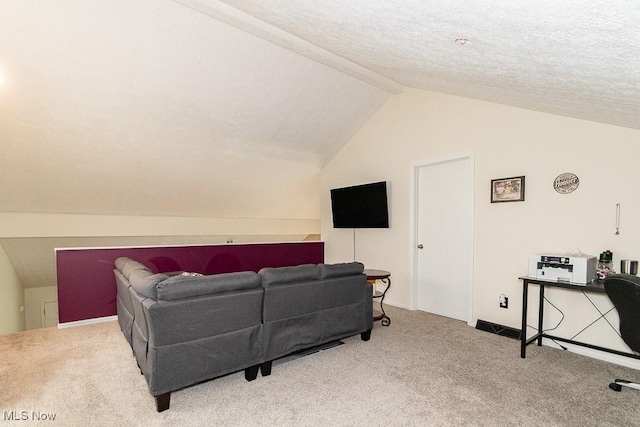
x: 87, y: 287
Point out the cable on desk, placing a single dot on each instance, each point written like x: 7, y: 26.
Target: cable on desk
x: 561, y: 319
x: 555, y: 327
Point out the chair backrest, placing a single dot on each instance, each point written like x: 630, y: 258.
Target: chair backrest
x: 624, y: 291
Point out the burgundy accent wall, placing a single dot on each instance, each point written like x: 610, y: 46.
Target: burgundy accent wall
x: 87, y: 286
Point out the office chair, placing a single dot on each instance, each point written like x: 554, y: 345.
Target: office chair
x: 624, y: 292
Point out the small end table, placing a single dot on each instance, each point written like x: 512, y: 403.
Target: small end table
x: 384, y: 277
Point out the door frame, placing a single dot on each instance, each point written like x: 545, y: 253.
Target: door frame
x: 415, y: 168
x: 43, y: 315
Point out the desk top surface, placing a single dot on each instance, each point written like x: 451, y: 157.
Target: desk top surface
x: 595, y: 286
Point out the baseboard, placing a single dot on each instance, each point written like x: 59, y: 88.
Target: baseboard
x: 594, y: 354
x: 395, y: 304
x: 497, y: 329
x: 87, y: 322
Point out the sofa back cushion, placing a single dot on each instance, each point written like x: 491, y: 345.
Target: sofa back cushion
x: 128, y: 266
x: 280, y: 275
x: 179, y: 287
x: 328, y: 271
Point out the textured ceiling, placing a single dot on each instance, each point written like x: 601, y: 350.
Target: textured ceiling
x: 578, y: 58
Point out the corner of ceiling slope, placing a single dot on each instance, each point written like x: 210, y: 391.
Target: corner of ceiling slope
x: 252, y: 25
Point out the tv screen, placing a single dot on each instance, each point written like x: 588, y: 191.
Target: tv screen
x: 360, y: 206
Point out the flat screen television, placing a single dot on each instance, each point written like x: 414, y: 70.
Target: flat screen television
x: 360, y: 206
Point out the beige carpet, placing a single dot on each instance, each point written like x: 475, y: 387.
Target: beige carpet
x: 422, y: 370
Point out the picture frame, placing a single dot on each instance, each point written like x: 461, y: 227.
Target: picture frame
x: 507, y: 189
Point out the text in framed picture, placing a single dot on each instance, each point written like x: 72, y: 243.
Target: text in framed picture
x: 507, y: 189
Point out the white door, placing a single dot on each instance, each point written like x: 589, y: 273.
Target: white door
x: 49, y: 314
x: 443, y: 235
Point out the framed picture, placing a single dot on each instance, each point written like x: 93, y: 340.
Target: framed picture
x: 507, y: 189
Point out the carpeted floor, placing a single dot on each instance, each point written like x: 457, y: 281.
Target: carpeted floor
x: 422, y: 370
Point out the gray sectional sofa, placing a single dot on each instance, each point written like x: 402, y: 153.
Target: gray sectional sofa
x: 186, y: 329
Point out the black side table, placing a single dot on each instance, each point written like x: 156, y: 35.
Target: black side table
x: 384, y: 277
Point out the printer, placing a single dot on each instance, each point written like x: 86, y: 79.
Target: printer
x: 578, y: 269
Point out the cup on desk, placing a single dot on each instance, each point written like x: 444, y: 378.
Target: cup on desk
x: 629, y: 266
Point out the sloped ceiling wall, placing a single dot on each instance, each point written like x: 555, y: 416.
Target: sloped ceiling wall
x: 152, y: 108
x: 575, y: 58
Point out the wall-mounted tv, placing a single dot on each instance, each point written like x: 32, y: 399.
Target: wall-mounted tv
x: 360, y: 206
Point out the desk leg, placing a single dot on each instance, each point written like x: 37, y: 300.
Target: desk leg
x: 540, y: 315
x: 523, y: 331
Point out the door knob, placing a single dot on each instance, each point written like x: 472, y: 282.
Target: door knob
x: 420, y: 246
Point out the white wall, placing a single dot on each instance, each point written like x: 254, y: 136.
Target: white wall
x: 419, y: 126
x: 68, y: 225
x: 34, y: 300
x: 11, y: 297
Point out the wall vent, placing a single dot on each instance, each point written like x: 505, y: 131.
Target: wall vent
x: 494, y: 328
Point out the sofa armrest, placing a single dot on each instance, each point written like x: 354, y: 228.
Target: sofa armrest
x: 127, y: 266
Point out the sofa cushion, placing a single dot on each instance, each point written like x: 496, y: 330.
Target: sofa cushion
x: 127, y: 266
x: 328, y: 271
x: 178, y: 287
x: 298, y: 273
x: 144, y: 282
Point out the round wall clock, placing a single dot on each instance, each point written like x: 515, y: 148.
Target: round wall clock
x: 566, y: 183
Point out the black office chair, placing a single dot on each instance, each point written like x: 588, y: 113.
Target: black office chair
x: 624, y: 291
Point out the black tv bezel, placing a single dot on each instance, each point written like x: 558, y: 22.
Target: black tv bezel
x: 381, y: 208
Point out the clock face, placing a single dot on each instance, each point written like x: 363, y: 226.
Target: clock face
x: 566, y: 183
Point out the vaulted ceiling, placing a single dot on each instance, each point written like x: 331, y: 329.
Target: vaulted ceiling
x: 211, y: 108
x: 149, y: 107
x: 578, y: 58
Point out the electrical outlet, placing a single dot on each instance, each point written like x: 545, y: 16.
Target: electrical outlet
x: 504, y: 301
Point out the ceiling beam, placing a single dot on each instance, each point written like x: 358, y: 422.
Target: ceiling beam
x: 258, y: 28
